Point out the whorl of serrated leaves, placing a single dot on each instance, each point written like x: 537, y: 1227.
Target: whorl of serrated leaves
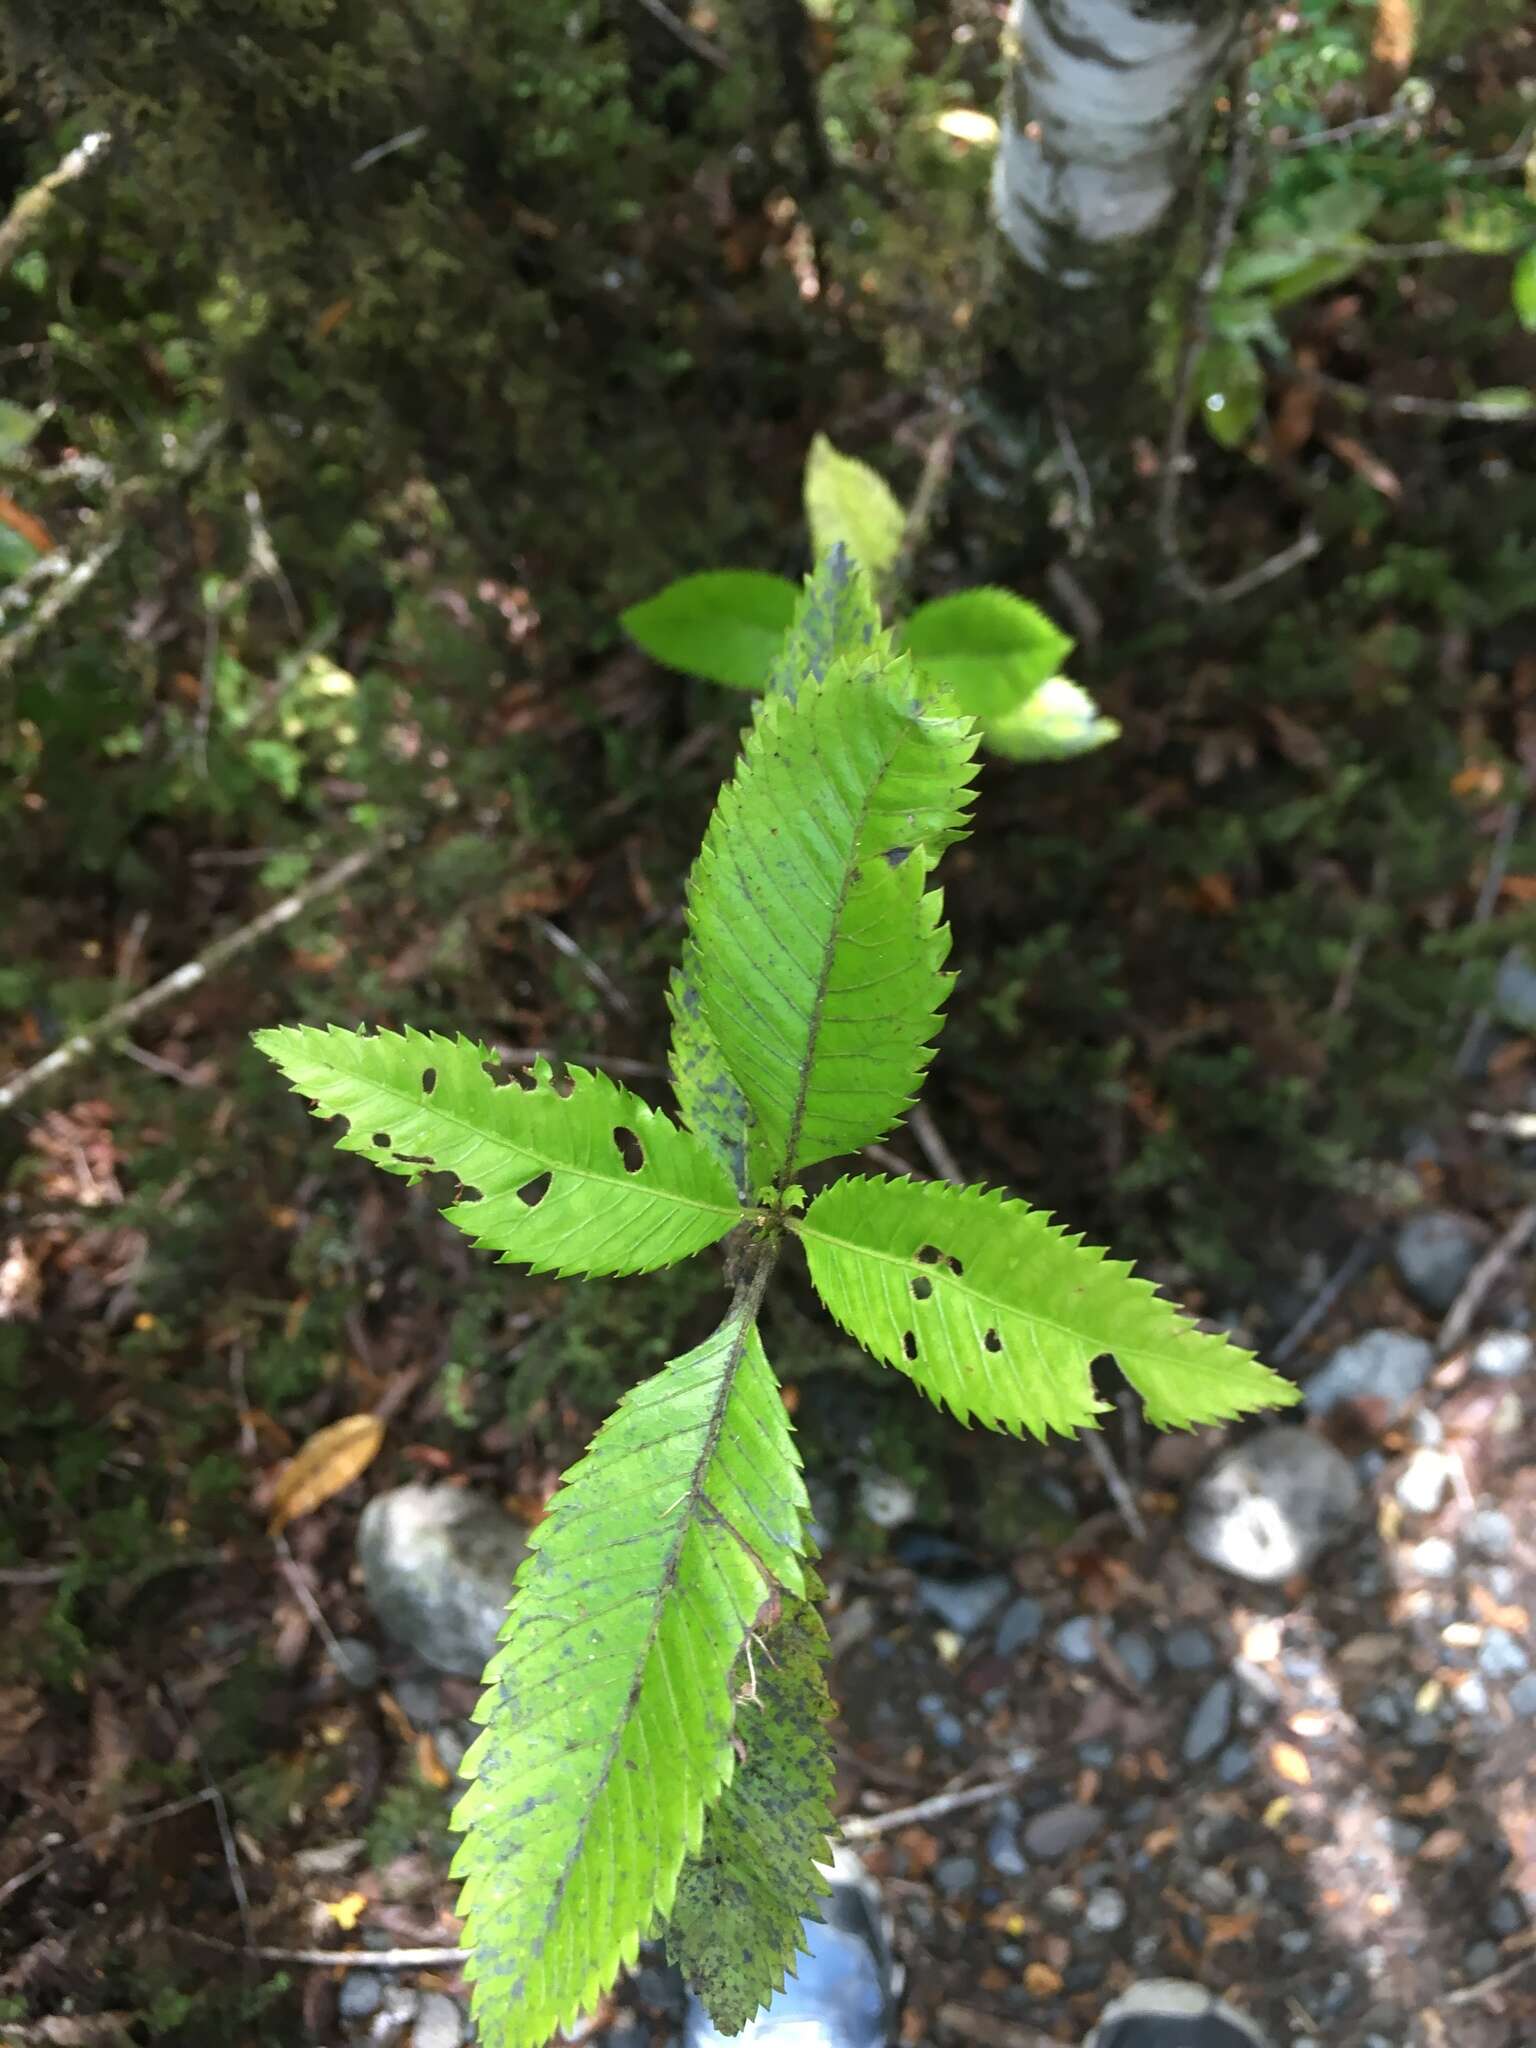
x: 996, y: 1312
x: 817, y: 943
x: 577, y: 1178
x: 608, y: 1707
x: 837, y: 616
x: 736, y: 1922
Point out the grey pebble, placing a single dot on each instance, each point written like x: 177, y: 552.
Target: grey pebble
x: 948, y: 1731
x: 1210, y: 1723
x: 1138, y: 1656
x: 955, y: 1874
x: 963, y: 1604
x: 1271, y: 1505
x: 1190, y: 1649
x: 1514, y: 990
x: 438, y: 1564
x: 1020, y: 1626
x: 1472, y: 1697
x: 1296, y: 1941
x: 1011, y: 1954
x: 439, y: 2022
x: 1097, y: 1755
x: 1384, y: 1365
x: 1434, y: 1253
x: 1077, y: 1640
x: 1522, y: 1695
x: 887, y: 1501
x: 1003, y: 1851
x: 1234, y: 1763
x: 357, y: 1661
x: 1061, y: 1829
x: 419, y: 1699
x: 1490, y: 1532
x: 1423, y: 1482
x: 1501, y: 1655
x: 1023, y: 1759
x: 1502, y: 1354
x: 1482, y: 1959
x: 1506, y: 1915
x: 1434, y: 1558
x: 360, y: 1996
x: 1105, y: 1912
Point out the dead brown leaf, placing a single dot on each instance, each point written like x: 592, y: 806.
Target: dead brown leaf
x: 32, y: 531
x: 1041, y: 1980
x: 332, y: 1459
x: 1368, y: 467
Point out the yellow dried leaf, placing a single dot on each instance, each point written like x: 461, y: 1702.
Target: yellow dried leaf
x: 348, y: 1911
x: 1276, y: 1811
x: 331, y: 1459
x: 1287, y: 1762
x: 1041, y: 1980
x: 430, y: 1764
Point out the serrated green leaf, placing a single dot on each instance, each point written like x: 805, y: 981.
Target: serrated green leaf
x: 836, y: 616
x: 736, y: 1922
x: 608, y: 1708
x: 713, y: 1107
x: 989, y: 649
x: 819, y: 951
x: 627, y: 1190
x: 846, y: 501
x: 1057, y: 722
x: 996, y: 1312
x: 1229, y: 384
x: 1522, y: 290
x: 725, y: 625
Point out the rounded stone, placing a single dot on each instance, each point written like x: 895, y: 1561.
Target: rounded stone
x: 1137, y: 1655
x: 1105, y: 1912
x: 1190, y: 1649
x: 887, y: 1501
x: 1272, y: 1505
x: 1386, y: 1366
x: 1076, y: 1641
x: 955, y: 1874
x: 360, y: 1996
x: 438, y: 1564
x: 1502, y: 1354
x: 1210, y: 1724
x: 439, y: 2022
x: 1061, y: 1829
x: 963, y: 1604
x: 1020, y: 1626
x: 1434, y: 1253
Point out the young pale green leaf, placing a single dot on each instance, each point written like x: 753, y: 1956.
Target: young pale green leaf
x: 836, y: 616
x: 1229, y: 383
x: 608, y: 1708
x: 19, y: 426
x: 1522, y: 290
x: 1058, y: 721
x: 736, y: 1922
x: 989, y: 649
x: 586, y: 1181
x: 819, y: 951
x: 996, y: 1312
x: 713, y: 1107
x: 846, y: 501
x: 725, y: 625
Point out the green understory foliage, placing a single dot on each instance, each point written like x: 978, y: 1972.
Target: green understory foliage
x: 621, y: 1786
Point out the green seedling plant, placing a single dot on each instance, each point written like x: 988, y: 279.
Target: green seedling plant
x: 653, y: 1755
x: 998, y: 656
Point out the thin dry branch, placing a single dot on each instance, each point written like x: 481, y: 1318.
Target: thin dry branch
x: 340, y: 1958
x: 26, y: 215
x: 190, y: 975
x: 1483, y: 1276
x: 860, y: 1827
x: 113, y: 1828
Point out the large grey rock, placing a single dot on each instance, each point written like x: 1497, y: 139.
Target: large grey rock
x: 1383, y: 1365
x: 1272, y: 1505
x: 1434, y: 1253
x: 1514, y: 990
x: 438, y: 1565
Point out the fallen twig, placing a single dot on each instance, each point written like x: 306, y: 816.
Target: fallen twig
x: 1482, y: 910
x: 27, y: 213
x: 1469, y: 1993
x: 922, y: 1126
x: 341, y: 1958
x: 1368, y: 124
x: 192, y: 974
x: 120, y: 1825
x: 863, y: 1827
x: 1482, y: 1277
x: 1360, y: 1255
x: 599, y: 977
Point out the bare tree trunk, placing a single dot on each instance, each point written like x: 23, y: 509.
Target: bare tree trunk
x: 1107, y: 103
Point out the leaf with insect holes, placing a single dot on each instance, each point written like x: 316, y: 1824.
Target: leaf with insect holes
x: 817, y: 942
x: 573, y: 1177
x: 736, y: 1921
x: 608, y: 1707
x: 846, y: 501
x: 331, y: 1459
x: 997, y: 1312
x: 725, y: 625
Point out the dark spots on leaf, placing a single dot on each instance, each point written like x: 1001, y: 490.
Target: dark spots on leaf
x: 468, y: 1194
x: 383, y: 1140
x: 953, y: 1264
x: 564, y: 1086
x: 895, y: 855
x: 415, y: 1159
x: 523, y: 1078
x: 533, y: 1191
x: 928, y: 1255
x: 922, y: 1287
x: 991, y: 1341
x: 909, y: 1345
x: 631, y: 1151
x: 428, y: 1080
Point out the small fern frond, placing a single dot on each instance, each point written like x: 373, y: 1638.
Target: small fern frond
x: 818, y: 945
x: 735, y: 1925
x: 608, y: 1708
x: 584, y: 1179
x: 996, y: 1312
